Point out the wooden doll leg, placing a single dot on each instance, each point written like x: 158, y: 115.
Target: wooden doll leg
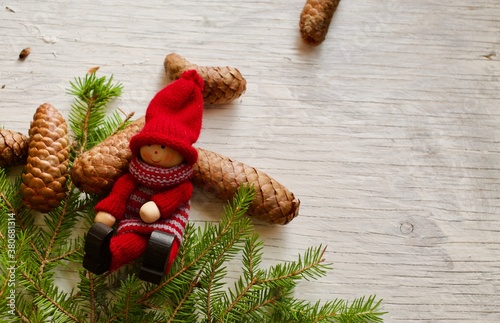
x: 97, y: 254
x: 157, y: 256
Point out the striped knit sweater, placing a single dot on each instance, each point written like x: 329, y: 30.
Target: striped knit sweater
x: 169, y: 188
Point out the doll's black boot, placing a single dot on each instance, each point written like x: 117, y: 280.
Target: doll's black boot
x: 97, y: 257
x: 156, y: 256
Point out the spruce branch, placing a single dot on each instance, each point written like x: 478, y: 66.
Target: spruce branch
x: 55, y: 230
x: 50, y: 300
x: 113, y: 124
x: 4, y: 279
x: 175, y: 313
x: 92, y: 297
x: 211, y: 236
x: 213, y: 272
x: 88, y: 114
x: 10, y: 195
x: 5, y: 190
x: 252, y: 256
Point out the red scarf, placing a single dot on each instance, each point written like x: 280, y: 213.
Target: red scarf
x: 155, y: 177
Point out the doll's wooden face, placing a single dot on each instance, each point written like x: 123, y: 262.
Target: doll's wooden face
x: 161, y: 156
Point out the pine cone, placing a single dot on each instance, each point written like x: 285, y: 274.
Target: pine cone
x: 315, y: 20
x: 13, y: 148
x: 273, y: 203
x: 45, y: 173
x: 96, y: 170
x: 222, y: 84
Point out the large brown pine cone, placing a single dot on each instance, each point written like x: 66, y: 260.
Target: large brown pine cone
x: 44, y: 177
x: 97, y: 169
x: 222, y: 84
x: 273, y: 202
x: 13, y: 148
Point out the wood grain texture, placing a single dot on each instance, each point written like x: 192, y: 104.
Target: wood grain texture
x: 388, y: 132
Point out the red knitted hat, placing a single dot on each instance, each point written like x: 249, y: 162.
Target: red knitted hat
x: 173, y: 117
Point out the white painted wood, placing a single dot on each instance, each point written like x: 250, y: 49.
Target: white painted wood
x: 388, y: 132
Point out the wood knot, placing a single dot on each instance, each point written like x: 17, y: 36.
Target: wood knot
x: 406, y: 227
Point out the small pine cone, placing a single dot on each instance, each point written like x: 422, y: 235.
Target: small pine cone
x: 13, y: 148
x: 96, y: 170
x: 45, y: 172
x: 222, y: 84
x: 273, y: 203
x: 315, y: 20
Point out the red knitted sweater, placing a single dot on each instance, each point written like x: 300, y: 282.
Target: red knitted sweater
x: 131, y: 191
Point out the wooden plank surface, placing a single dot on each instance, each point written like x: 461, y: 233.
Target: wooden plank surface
x: 388, y: 132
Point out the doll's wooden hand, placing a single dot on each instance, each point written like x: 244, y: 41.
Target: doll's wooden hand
x: 105, y: 217
x: 149, y: 212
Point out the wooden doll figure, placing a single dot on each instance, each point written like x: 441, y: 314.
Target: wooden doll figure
x: 150, y: 203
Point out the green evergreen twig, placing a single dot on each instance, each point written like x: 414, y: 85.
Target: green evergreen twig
x: 87, y: 115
